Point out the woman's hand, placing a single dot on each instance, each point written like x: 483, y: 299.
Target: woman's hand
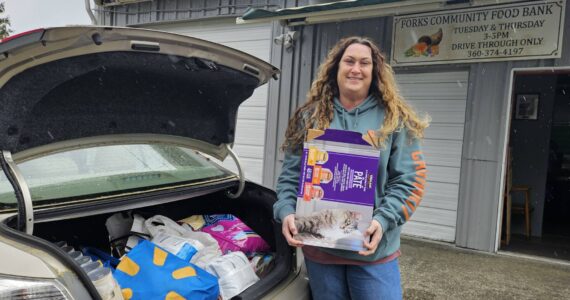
x: 289, y: 230
x: 375, y: 230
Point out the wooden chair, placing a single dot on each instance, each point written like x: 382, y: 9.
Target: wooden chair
x: 524, y: 209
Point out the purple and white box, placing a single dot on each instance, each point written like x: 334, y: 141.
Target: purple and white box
x: 337, y: 187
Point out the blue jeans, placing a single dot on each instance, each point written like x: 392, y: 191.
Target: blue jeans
x: 379, y: 281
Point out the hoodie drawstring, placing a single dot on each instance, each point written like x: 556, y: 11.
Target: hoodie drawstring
x: 344, y: 121
x: 356, y: 118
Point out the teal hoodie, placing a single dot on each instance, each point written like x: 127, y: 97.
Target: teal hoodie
x: 401, y: 177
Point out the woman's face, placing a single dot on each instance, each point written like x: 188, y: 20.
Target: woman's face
x: 355, y: 71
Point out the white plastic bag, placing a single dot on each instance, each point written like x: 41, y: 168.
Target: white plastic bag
x: 207, y: 247
x: 234, y: 272
x: 125, y: 232
x: 138, y: 232
x: 118, y: 226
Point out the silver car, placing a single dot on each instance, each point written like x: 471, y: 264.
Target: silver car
x: 100, y: 120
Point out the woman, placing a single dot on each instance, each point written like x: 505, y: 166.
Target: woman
x: 355, y: 90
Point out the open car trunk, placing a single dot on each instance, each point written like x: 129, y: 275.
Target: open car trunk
x: 253, y: 207
x: 82, y: 87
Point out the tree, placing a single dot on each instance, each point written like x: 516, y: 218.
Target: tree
x: 4, y: 23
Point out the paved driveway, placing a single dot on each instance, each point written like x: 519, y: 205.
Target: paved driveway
x: 438, y: 271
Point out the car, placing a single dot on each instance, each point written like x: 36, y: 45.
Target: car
x: 101, y: 120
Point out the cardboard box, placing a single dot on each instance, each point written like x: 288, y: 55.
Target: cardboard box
x: 337, y: 187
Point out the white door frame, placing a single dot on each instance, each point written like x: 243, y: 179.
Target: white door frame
x: 507, y: 124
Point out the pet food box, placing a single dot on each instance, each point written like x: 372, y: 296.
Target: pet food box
x: 337, y: 186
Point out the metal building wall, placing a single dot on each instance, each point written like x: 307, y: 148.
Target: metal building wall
x: 484, y: 145
x: 159, y: 11
x: 442, y: 95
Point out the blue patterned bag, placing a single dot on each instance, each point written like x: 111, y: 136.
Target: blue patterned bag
x: 149, y: 272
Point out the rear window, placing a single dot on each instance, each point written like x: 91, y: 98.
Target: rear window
x: 108, y: 170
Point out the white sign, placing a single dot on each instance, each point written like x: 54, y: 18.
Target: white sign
x: 528, y: 30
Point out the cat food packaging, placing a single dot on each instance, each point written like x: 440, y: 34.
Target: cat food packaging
x: 233, y: 235
x: 337, y: 185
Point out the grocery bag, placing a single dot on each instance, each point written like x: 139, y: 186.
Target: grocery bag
x: 234, y: 272
x: 206, y: 246
x: 150, y: 272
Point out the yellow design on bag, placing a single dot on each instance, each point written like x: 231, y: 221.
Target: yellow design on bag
x: 184, y: 272
x: 128, y: 266
x: 127, y: 293
x: 195, y: 221
x: 159, y: 257
x: 174, y: 296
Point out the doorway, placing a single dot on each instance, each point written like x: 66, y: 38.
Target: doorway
x: 538, y: 166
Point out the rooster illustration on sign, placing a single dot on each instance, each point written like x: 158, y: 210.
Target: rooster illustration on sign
x: 427, y: 45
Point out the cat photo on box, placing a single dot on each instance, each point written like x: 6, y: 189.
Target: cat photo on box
x: 337, y: 186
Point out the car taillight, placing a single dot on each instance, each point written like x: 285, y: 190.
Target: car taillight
x: 15, y: 36
x: 21, y: 39
x: 28, y: 288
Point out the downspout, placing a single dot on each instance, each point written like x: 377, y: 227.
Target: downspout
x: 90, y: 12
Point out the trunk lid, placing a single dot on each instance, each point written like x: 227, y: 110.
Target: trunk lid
x: 69, y: 83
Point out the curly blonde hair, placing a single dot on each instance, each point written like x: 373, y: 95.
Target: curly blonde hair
x: 318, y: 111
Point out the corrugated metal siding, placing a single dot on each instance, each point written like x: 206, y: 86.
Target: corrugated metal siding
x: 250, y: 129
x: 479, y: 189
x: 443, y: 95
x: 275, y: 112
x: 181, y: 10
x: 286, y: 94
